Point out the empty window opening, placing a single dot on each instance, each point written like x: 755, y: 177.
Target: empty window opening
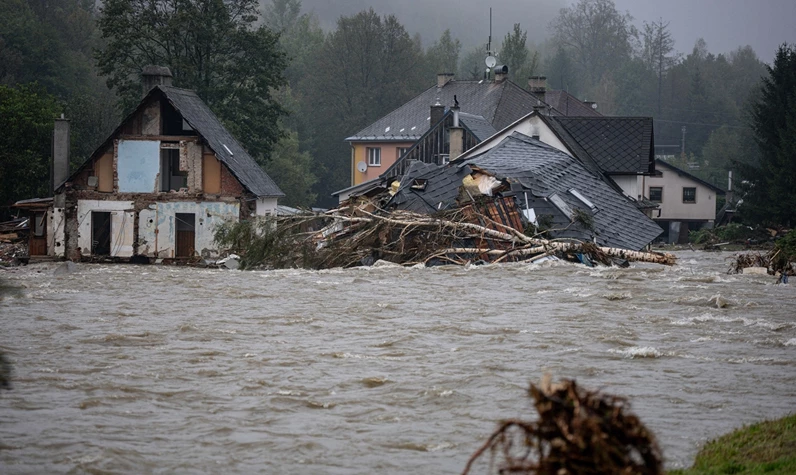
x: 101, y: 233
x: 171, y: 177
x: 186, y: 234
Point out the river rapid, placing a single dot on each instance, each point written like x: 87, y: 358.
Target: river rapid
x: 157, y: 369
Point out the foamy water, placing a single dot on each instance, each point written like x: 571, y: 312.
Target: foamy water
x: 131, y: 369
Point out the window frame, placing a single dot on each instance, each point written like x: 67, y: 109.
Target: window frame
x: 660, y: 188
x: 374, y: 156
x: 695, y: 194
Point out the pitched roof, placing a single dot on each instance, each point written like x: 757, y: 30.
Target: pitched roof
x: 201, y: 118
x: 568, y: 105
x: 617, y: 222
x: 548, y: 176
x: 682, y: 172
x: 498, y: 103
x: 479, y: 126
x: 619, y: 145
x: 227, y: 149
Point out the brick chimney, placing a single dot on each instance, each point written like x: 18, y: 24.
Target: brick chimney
x: 538, y: 86
x: 501, y: 73
x: 60, y: 164
x: 152, y: 76
x: 444, y: 78
x: 437, y: 111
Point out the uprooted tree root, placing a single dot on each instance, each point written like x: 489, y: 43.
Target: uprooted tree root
x: 578, y: 432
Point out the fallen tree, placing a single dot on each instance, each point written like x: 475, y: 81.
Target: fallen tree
x: 360, y: 235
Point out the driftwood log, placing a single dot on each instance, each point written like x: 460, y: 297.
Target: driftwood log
x: 511, y: 243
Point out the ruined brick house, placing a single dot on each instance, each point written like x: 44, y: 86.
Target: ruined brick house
x: 159, y: 185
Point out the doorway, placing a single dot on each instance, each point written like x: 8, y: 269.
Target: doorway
x: 101, y: 233
x: 186, y: 234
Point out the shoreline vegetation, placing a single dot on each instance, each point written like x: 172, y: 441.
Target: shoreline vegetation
x: 765, y: 447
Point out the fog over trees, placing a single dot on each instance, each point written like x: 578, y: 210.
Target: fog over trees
x: 319, y: 71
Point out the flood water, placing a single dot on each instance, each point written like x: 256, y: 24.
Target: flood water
x: 142, y: 369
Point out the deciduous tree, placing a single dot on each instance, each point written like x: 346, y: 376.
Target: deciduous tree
x: 598, y: 36
x: 26, y: 121
x: 212, y: 46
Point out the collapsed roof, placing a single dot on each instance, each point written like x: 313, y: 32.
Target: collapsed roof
x: 547, y: 184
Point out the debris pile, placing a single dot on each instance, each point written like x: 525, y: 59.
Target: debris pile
x: 780, y: 261
x: 362, y: 233
x: 578, y: 432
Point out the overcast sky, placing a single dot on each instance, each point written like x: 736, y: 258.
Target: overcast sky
x: 724, y: 24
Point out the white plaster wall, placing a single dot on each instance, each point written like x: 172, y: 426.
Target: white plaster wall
x: 122, y: 220
x: 672, y: 207
x: 266, y: 206
x: 629, y: 184
x: 157, y: 226
x: 55, y: 232
x: 530, y: 127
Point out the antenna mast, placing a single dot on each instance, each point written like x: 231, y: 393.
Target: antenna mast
x: 490, y: 58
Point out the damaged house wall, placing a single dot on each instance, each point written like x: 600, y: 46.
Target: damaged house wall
x: 158, y: 226
x: 159, y: 185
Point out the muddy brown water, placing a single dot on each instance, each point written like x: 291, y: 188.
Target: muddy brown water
x: 152, y: 369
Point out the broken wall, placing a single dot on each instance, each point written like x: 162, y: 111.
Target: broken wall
x: 122, y: 225
x: 157, y: 226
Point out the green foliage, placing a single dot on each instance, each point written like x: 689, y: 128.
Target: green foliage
x: 733, y: 232
x: 264, y: 243
x: 770, y: 189
x: 26, y: 122
x: 472, y: 65
x: 598, y: 37
x: 514, y: 52
x: 766, y: 447
x: 211, y: 46
x: 443, y: 55
x: 368, y: 66
x: 786, y: 247
x: 293, y: 171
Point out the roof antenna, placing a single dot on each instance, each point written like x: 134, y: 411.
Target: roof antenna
x: 490, y: 60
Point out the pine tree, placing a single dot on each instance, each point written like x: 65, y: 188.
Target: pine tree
x: 770, y: 188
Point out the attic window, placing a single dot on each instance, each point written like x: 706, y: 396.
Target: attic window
x: 582, y: 198
x: 562, y: 206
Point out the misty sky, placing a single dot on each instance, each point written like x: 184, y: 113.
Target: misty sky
x: 724, y: 24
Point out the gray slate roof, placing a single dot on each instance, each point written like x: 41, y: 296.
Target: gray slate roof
x: 540, y: 171
x: 619, y: 145
x: 202, y: 119
x: 479, y: 126
x: 499, y: 104
x: 567, y: 104
x: 239, y: 162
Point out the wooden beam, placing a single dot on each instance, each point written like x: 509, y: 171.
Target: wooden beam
x: 162, y: 138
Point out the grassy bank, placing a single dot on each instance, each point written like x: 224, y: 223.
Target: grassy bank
x: 767, y: 447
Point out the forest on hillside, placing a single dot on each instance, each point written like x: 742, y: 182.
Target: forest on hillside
x: 292, y: 86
